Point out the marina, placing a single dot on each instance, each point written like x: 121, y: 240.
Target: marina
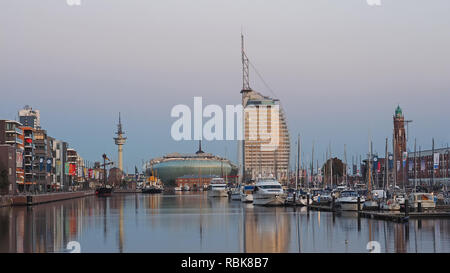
x: 255, y: 127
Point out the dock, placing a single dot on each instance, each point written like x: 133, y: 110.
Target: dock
x: 402, y: 217
x: 34, y: 199
x: 321, y: 207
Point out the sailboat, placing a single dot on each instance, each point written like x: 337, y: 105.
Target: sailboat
x: 370, y: 203
x: 391, y: 204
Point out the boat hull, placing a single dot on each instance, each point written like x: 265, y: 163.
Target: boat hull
x: 370, y: 205
x: 235, y: 196
x: 247, y: 198
x: 268, y: 200
x: 103, y: 192
x: 350, y: 206
x: 217, y: 193
x: 151, y: 191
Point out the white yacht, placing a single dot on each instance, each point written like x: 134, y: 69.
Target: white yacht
x: 348, y: 200
x: 268, y: 192
x: 247, y: 193
x: 426, y: 200
x: 217, y: 188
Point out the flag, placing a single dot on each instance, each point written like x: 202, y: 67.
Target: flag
x: 72, y: 169
x: 41, y: 164
x: 391, y: 162
x: 404, y: 157
x: 375, y: 163
x: 49, y: 165
x: 67, y: 168
x: 58, y: 167
x: 379, y: 167
x: 436, y: 161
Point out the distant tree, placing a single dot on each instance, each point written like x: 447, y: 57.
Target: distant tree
x: 338, y: 168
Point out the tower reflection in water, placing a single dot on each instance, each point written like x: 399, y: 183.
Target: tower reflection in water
x: 192, y: 222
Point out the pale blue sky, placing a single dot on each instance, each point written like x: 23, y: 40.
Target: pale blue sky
x: 338, y: 67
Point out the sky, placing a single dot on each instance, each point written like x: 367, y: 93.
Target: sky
x: 339, y: 69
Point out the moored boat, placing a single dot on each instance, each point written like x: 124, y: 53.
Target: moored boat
x: 152, y: 189
x: 268, y: 192
x: 104, y: 191
x: 217, y: 188
x: 425, y: 199
x: 247, y: 193
x: 235, y: 193
x: 348, y: 200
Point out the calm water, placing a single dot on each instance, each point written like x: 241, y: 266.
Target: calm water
x: 193, y: 222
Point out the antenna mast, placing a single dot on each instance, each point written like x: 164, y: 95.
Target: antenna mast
x: 245, y: 68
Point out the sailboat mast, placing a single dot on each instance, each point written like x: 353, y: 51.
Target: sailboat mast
x: 415, y: 164
x: 369, y: 186
x: 345, y: 158
x: 298, y: 162
x: 312, y: 163
x: 386, y: 178
x: 395, y: 162
x: 331, y: 166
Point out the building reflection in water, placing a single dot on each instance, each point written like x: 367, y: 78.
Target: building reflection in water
x: 194, y: 223
x: 266, y: 230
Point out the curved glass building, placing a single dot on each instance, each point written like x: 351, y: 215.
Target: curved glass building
x: 174, y: 165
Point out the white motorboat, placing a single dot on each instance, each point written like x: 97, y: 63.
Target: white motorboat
x: 186, y: 188
x: 426, y: 200
x: 348, y: 200
x: 178, y: 188
x: 268, y: 192
x: 247, y: 193
x: 217, y: 188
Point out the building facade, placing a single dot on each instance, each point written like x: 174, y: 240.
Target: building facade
x: 195, y: 182
x: 429, y: 167
x: 12, y: 134
x: 266, y: 138
x: 28, y: 158
x: 29, y: 117
x: 42, y: 167
x: 8, y: 175
x: 266, y: 141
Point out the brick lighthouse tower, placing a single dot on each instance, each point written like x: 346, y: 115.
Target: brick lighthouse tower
x: 120, y: 141
x: 399, y: 143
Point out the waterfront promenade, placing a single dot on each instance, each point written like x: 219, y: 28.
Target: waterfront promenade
x: 34, y: 199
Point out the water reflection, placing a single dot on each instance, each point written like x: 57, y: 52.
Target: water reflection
x: 192, y: 222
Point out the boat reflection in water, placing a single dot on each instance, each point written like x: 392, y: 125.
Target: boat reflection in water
x: 192, y: 222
